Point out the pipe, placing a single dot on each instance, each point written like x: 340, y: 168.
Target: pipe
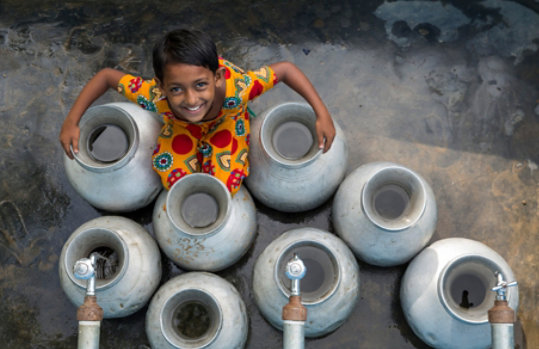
x: 294, y: 313
x: 501, y: 316
x: 89, y: 313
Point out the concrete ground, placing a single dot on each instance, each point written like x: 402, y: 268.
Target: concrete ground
x: 448, y: 89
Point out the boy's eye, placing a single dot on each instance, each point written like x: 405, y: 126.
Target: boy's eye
x: 175, y: 89
x: 201, y: 85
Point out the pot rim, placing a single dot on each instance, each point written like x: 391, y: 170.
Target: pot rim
x: 399, y: 223
x: 488, y: 301
x: 267, y: 143
x: 224, y: 198
x: 93, y: 165
x: 332, y: 255
x: 99, y: 285
x: 187, y: 342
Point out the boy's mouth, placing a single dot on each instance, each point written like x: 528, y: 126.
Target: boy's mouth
x: 195, y: 108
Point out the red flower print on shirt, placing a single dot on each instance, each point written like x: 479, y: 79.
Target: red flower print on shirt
x: 194, y: 130
x: 256, y: 90
x: 182, y: 144
x: 135, y: 84
x: 221, y: 139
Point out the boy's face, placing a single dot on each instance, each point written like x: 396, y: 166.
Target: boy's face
x: 190, y: 91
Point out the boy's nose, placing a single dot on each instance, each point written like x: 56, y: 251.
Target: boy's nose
x: 191, y: 97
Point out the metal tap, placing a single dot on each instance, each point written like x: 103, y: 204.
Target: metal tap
x: 501, y: 316
x: 501, y: 287
x: 84, y: 269
x: 89, y: 313
x: 294, y: 313
x: 295, y: 271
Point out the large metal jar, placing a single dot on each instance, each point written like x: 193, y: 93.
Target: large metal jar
x: 197, y: 310
x: 446, y: 293
x: 329, y: 289
x: 385, y: 212
x: 129, y: 276
x: 288, y: 171
x: 200, y: 226
x: 113, y: 169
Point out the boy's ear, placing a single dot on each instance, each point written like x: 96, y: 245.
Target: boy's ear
x: 159, y: 83
x: 220, y: 76
x: 160, y: 86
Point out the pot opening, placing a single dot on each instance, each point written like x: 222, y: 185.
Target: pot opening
x: 106, y: 263
x: 288, y: 134
x: 292, y: 140
x: 394, y: 198
x: 108, y: 135
x: 107, y: 143
x: 322, y: 275
x: 391, y: 201
x: 465, y: 288
x: 111, y: 256
x: 198, y: 204
x: 200, y: 210
x: 191, y: 318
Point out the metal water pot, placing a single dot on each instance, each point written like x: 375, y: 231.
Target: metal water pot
x: 446, y: 293
x: 288, y: 171
x: 200, y: 226
x: 197, y: 310
x: 129, y: 264
x: 113, y: 169
x: 329, y: 289
x: 385, y: 212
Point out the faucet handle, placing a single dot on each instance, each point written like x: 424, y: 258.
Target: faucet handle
x: 295, y: 268
x: 84, y: 269
x: 501, y: 287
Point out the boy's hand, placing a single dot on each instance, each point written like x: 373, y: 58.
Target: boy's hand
x: 325, y: 130
x: 69, y: 135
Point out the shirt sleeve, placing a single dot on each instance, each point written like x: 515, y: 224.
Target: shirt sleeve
x: 142, y: 92
x: 261, y: 81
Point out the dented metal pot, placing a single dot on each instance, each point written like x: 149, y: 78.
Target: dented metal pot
x: 197, y: 310
x: 446, y: 293
x: 128, y: 264
x: 112, y: 169
x: 200, y: 226
x: 288, y: 171
x: 385, y: 212
x: 329, y: 289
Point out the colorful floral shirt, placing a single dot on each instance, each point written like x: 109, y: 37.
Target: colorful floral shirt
x: 218, y: 147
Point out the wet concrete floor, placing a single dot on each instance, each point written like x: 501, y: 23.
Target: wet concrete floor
x: 448, y: 89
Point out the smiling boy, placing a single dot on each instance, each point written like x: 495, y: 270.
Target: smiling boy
x: 203, y: 100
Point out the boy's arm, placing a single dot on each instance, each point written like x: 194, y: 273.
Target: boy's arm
x: 292, y: 76
x: 95, y: 88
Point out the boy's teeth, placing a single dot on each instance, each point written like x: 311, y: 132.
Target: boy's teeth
x: 194, y: 108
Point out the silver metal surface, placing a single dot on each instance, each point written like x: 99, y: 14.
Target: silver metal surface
x: 105, y: 185
x: 501, y: 287
x: 299, y: 184
x: 503, y: 336
x: 377, y: 239
x: 210, y: 248
x: 293, y: 334
x: 295, y: 271
x: 88, y: 337
x: 327, y: 307
x: 228, y: 324
x: 136, y: 264
x: 435, y: 313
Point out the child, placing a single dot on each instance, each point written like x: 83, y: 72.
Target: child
x: 203, y: 101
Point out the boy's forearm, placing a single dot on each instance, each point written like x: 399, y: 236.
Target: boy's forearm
x: 293, y: 77
x: 95, y: 88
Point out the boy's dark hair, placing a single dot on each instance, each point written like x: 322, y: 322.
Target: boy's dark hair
x: 185, y: 46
